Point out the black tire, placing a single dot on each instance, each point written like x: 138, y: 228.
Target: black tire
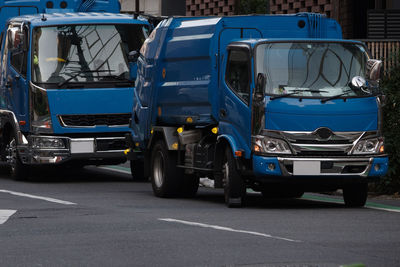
x: 355, y: 195
x: 165, y: 177
x: 137, y: 170
x: 18, y: 170
x: 190, y: 185
x: 234, y: 186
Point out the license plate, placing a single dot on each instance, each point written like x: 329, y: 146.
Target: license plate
x: 306, y: 167
x: 82, y: 146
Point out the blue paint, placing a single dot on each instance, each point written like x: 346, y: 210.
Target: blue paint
x: 291, y: 114
x: 260, y: 166
x: 383, y: 165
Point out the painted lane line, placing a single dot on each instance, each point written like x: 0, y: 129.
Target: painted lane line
x: 5, y: 215
x: 37, y: 197
x: 368, y: 205
x: 117, y: 169
x: 222, y: 228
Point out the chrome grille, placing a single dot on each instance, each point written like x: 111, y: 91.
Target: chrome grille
x: 94, y: 120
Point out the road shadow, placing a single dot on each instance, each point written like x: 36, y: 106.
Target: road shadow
x: 68, y: 174
x: 257, y: 201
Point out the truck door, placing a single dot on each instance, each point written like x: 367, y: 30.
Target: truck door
x: 235, y: 112
x: 14, y: 74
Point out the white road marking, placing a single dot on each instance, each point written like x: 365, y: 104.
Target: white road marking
x: 116, y: 169
x: 37, y: 197
x: 222, y: 228
x: 5, y: 215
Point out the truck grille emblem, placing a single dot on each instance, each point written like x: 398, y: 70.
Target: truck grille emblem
x: 323, y: 133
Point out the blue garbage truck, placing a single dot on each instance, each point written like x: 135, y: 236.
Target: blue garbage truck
x: 280, y: 104
x: 66, y: 93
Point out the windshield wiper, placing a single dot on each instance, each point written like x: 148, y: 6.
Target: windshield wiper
x: 323, y: 100
x: 114, y: 77
x: 296, y: 92
x: 79, y: 73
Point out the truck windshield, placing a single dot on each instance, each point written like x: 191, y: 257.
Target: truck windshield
x: 312, y: 69
x: 84, y: 53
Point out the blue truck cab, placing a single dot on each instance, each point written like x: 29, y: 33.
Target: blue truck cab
x: 66, y: 93
x: 280, y: 104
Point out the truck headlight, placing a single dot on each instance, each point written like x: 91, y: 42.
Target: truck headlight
x: 368, y: 146
x: 267, y: 144
x: 40, y: 142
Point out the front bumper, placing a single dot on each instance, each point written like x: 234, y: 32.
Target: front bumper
x: 320, y: 167
x: 98, y: 150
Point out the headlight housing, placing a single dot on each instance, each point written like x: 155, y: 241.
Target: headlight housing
x: 270, y: 145
x: 369, y: 146
x: 44, y: 142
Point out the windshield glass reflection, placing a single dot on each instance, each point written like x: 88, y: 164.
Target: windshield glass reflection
x: 84, y: 53
x: 311, y: 69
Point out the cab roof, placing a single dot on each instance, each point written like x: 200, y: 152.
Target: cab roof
x: 255, y: 41
x: 77, y: 18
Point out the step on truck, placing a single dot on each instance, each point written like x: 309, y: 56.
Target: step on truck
x: 280, y: 104
x: 66, y: 92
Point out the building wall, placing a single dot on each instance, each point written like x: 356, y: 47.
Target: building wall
x: 210, y: 7
x: 152, y: 7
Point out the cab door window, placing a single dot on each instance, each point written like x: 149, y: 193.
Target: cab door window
x: 238, y: 73
x: 17, y: 39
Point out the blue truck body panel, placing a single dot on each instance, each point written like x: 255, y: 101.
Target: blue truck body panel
x: 198, y: 46
x: 289, y: 114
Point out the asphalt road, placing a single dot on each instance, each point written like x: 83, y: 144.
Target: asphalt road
x: 100, y: 217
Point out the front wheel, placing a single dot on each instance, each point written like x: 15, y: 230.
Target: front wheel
x: 165, y: 176
x: 355, y: 195
x: 18, y: 170
x: 234, y: 186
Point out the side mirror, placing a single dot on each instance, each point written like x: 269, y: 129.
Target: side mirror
x: 133, y: 56
x: 374, y: 69
x: 260, y: 87
x: 360, y: 84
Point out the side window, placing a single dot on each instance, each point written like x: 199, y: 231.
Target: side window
x: 237, y: 74
x: 16, y: 45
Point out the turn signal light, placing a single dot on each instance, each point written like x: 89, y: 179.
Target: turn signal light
x: 382, y: 149
x: 175, y: 146
x: 257, y: 148
x: 238, y: 153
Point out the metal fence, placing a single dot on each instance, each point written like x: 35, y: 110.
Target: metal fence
x: 386, y: 50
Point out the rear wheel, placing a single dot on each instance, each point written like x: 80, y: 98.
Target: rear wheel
x: 234, y: 186
x: 355, y: 195
x: 165, y: 176
x: 18, y: 170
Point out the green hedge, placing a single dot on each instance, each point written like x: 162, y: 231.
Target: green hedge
x: 391, y: 129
